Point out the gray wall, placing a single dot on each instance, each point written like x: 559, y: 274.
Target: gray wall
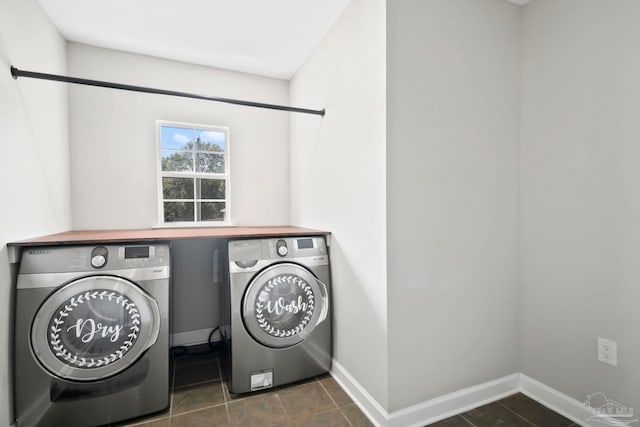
x: 580, y: 157
x: 113, y: 137
x: 338, y: 181
x: 452, y: 195
x: 195, y: 291
x: 34, y: 175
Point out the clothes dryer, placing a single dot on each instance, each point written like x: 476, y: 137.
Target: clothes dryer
x: 278, y: 309
x: 91, y: 334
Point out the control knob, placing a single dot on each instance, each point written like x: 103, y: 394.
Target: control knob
x: 281, y: 248
x: 99, y: 257
x: 98, y: 261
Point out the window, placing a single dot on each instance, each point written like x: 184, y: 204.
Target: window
x: 193, y: 173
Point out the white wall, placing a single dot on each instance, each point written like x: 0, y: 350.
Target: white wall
x: 338, y: 181
x: 113, y: 137
x: 113, y: 155
x: 34, y: 177
x: 452, y: 185
x: 424, y: 218
x: 580, y: 157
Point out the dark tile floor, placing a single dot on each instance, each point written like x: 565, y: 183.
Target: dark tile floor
x: 517, y: 410
x: 200, y: 398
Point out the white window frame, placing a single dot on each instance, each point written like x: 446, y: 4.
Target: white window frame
x: 193, y: 174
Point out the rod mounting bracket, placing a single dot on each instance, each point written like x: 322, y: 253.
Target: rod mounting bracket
x: 14, y: 72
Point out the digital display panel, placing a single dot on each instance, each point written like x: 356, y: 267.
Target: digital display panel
x: 305, y: 243
x: 136, y: 252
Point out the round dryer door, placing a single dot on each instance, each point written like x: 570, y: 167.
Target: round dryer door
x: 94, y: 327
x: 283, y: 304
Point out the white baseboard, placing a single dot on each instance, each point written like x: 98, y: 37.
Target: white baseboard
x: 201, y: 336
x: 466, y: 399
x: 565, y: 405
x: 429, y: 411
x: 451, y: 404
x: 371, y: 408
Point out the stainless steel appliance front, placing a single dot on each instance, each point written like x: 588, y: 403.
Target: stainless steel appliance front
x: 91, y: 340
x: 277, y: 310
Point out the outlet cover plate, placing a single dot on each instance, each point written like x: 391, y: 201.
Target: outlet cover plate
x: 607, y: 351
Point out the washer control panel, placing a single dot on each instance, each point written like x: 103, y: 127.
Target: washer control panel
x: 293, y: 247
x: 251, y: 255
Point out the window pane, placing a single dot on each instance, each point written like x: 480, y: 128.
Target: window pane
x: 207, y: 140
x: 177, y: 188
x: 212, y: 211
x: 176, y: 138
x: 178, y: 211
x: 177, y: 161
x: 210, y: 163
x: 210, y: 188
x: 193, y: 172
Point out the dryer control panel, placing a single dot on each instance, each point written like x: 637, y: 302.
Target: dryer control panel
x: 66, y: 259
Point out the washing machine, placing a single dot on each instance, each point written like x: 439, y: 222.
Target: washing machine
x: 91, y: 334
x: 277, y: 327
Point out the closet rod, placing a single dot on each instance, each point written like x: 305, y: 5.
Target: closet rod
x: 43, y: 76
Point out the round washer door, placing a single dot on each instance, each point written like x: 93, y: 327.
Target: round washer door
x: 283, y: 304
x: 94, y: 327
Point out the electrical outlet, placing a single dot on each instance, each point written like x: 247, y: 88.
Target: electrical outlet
x: 608, y: 351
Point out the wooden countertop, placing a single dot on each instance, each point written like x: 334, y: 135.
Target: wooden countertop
x: 162, y: 234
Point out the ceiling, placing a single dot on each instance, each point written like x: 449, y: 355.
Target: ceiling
x: 270, y: 38
x: 266, y: 37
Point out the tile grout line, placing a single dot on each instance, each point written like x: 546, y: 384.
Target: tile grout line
x: 467, y: 420
x: 328, y: 394
x: 215, y: 405
x: 321, y: 413
x: 284, y: 410
x: 290, y: 418
x: 224, y: 395
x: 179, y: 388
x: 205, y: 362
x: 334, y: 402
x: 227, y: 399
x: 210, y: 380
x: 219, y: 367
x: 345, y: 417
x: 517, y: 414
x: 172, y: 414
x: 226, y: 410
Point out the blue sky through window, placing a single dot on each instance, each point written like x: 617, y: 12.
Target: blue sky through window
x: 175, y: 138
x: 211, y: 137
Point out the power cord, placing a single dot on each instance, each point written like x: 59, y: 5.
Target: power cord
x: 214, y: 347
